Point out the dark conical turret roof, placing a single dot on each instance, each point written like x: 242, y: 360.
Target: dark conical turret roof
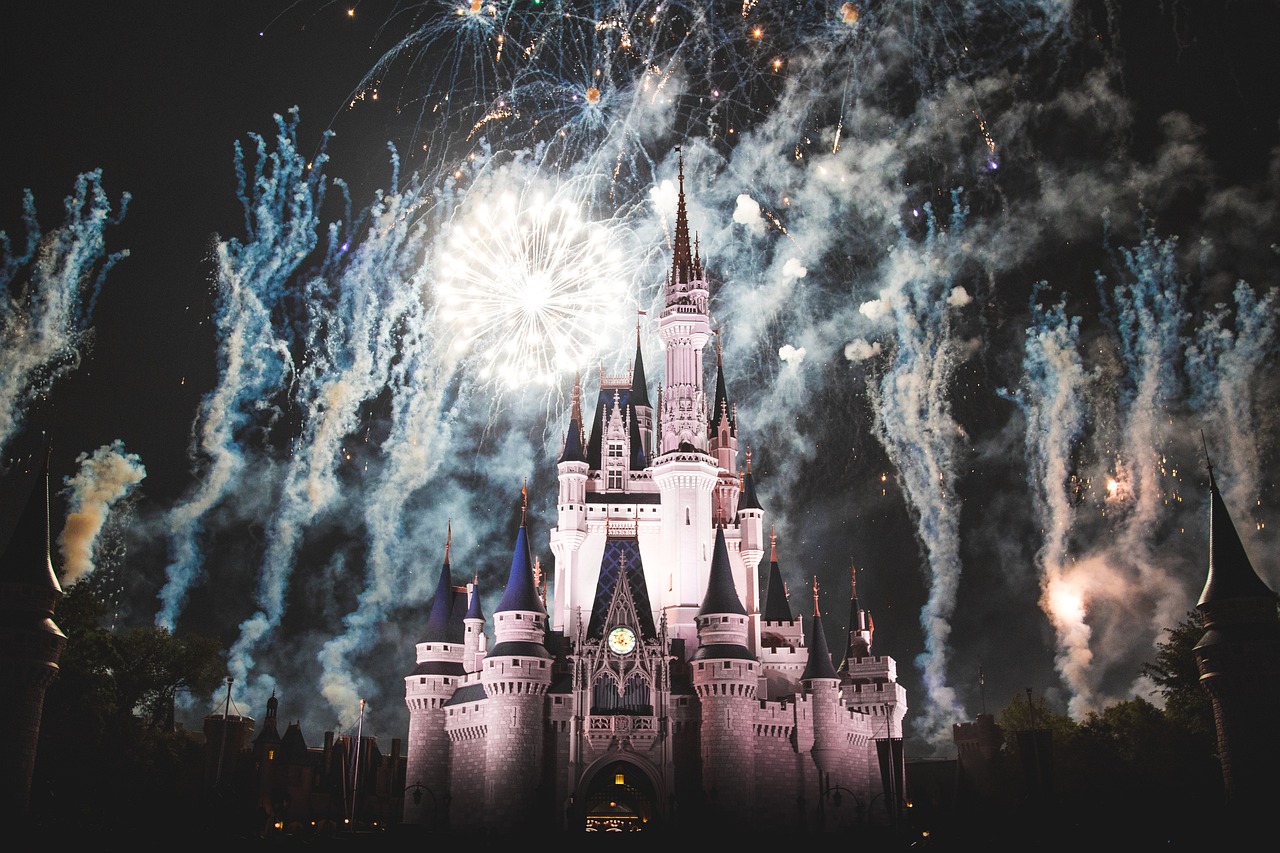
x: 1231, y: 574
x: 819, y: 665
x: 573, y: 449
x: 441, y: 628
x: 721, y: 407
x: 26, y: 558
x: 473, y: 609
x: 521, y: 593
x: 639, y: 385
x: 722, y: 596
x: 747, y: 494
x: 776, y: 606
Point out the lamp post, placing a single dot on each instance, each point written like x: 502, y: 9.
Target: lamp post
x: 418, y: 789
x: 835, y: 794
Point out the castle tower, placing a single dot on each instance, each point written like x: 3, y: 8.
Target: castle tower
x: 31, y: 643
x: 823, y: 685
x: 723, y: 442
x: 869, y: 683
x: 1239, y: 663
x: 684, y: 470
x: 426, y: 690
x: 267, y: 758
x: 515, y: 675
x: 571, y: 525
x: 783, y: 653
x: 725, y: 675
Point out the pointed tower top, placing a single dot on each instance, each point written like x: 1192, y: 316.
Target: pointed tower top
x: 440, y: 627
x: 722, y: 595
x: 776, y: 607
x: 26, y: 559
x: 639, y: 383
x: 520, y: 593
x: 573, y: 442
x: 819, y: 665
x: 1231, y: 574
x: 682, y: 260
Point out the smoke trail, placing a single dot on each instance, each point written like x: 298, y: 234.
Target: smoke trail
x: 1224, y: 363
x: 913, y: 420
x: 1055, y: 386
x: 47, y: 295
x: 105, y: 478
x: 371, y: 336
x: 254, y: 360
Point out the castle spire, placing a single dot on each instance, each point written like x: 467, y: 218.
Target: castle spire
x: 682, y: 258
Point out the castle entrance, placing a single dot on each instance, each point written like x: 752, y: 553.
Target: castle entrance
x: 618, y: 796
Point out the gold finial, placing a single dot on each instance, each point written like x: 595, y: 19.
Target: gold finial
x: 524, y: 501
x: 853, y: 580
x: 773, y: 545
x: 815, y: 595
x: 448, y: 540
x: 748, y: 460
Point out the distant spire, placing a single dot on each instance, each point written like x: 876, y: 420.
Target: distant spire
x: 853, y: 580
x: 639, y: 383
x: 776, y: 607
x: 682, y: 260
x: 574, y: 441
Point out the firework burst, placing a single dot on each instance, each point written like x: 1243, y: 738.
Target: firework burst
x: 530, y: 289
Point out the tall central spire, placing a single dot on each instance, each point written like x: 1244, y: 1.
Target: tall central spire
x: 682, y: 258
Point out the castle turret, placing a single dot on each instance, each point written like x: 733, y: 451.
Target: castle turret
x: 725, y: 677
x: 783, y: 653
x: 30, y: 644
x: 823, y: 685
x: 1239, y: 662
x: 428, y: 688
x: 515, y: 674
x: 475, y: 643
x: 723, y: 443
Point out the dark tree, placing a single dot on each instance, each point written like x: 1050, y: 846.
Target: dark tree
x: 110, y: 758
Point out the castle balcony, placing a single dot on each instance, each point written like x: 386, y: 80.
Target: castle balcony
x: 613, y: 730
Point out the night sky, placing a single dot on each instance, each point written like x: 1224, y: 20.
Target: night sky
x: 984, y: 272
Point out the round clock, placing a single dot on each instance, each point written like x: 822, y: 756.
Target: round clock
x: 622, y: 640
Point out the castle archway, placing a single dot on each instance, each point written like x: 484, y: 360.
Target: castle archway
x: 618, y: 793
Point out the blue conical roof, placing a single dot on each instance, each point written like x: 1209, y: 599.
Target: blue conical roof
x: 441, y: 628
x: 521, y: 594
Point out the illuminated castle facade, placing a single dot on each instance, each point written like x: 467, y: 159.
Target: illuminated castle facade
x: 657, y: 684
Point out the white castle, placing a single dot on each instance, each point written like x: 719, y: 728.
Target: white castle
x: 658, y: 688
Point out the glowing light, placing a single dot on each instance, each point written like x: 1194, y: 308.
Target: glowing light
x: 849, y: 13
x: 530, y: 289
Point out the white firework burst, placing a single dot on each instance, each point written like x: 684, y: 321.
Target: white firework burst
x: 531, y: 289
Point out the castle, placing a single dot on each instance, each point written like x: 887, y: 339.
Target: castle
x: 658, y: 686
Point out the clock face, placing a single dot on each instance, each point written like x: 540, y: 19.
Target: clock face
x: 622, y: 640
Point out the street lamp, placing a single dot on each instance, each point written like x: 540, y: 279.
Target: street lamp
x: 835, y: 793
x: 418, y: 789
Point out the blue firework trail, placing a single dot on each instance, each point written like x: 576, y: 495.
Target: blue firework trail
x: 48, y: 289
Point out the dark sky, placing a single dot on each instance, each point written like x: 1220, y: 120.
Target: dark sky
x: 1122, y: 154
